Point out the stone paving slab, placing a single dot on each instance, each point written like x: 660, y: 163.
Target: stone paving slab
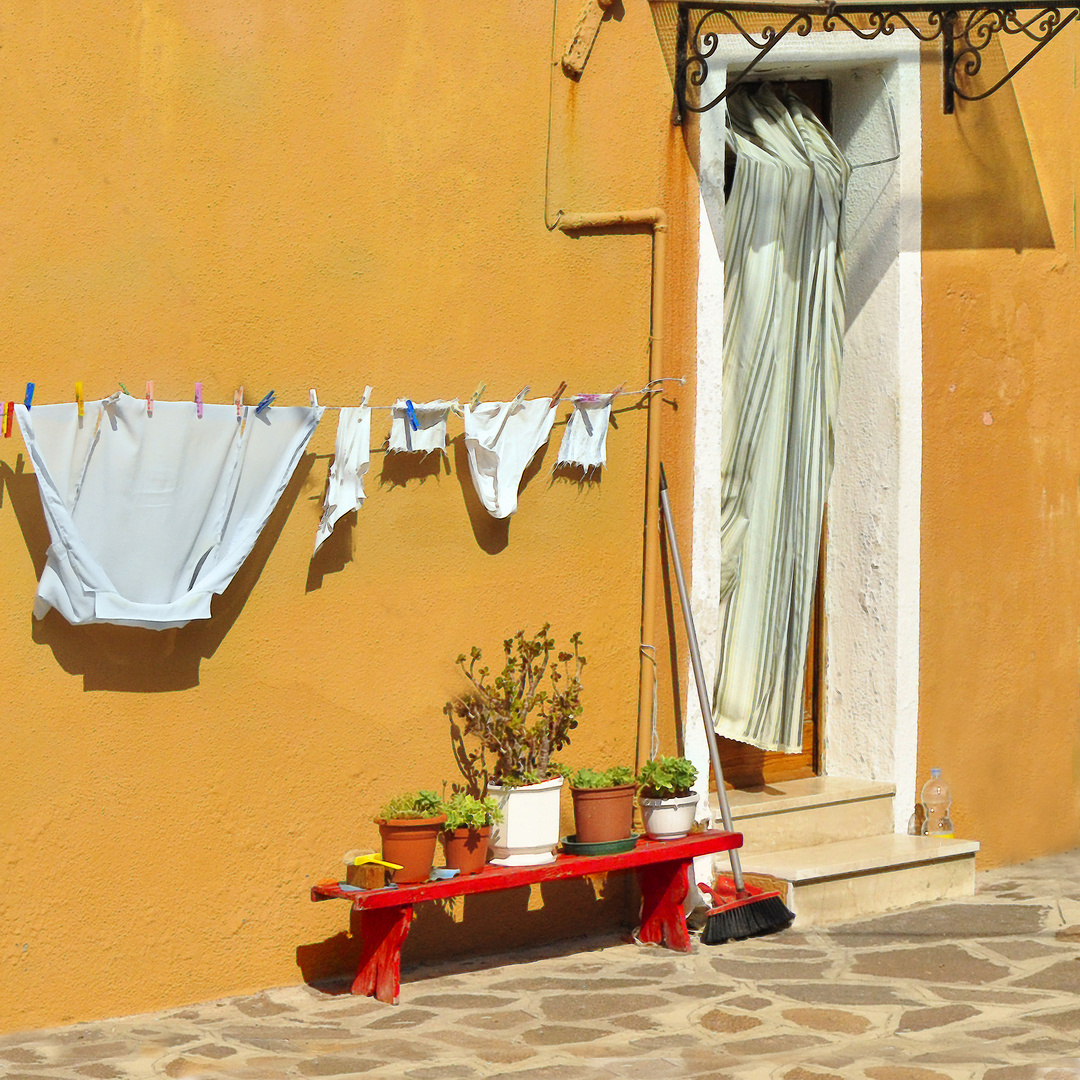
x: 984, y: 988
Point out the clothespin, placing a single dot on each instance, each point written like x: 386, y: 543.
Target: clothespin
x: 79, y: 400
x: 557, y: 396
x: 9, y: 415
x: 475, y: 400
x: 238, y: 401
x: 198, y: 400
x: 29, y: 395
x: 517, y: 402
x: 150, y: 397
x: 617, y: 391
x: 264, y: 404
x: 124, y: 388
x: 412, y: 415
x: 366, y: 397
x: 112, y: 399
x: 314, y: 399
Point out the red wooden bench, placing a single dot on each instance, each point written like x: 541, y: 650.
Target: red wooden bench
x: 662, y: 868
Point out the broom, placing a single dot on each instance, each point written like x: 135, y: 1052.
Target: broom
x: 740, y: 911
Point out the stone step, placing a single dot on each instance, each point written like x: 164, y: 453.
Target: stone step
x: 846, y: 879
x: 799, y: 813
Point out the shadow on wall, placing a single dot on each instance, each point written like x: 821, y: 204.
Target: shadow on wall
x: 485, y: 924
x: 129, y: 658
x: 980, y: 185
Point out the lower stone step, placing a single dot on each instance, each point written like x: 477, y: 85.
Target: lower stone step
x: 850, y: 878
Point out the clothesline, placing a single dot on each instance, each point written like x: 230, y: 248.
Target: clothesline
x: 650, y: 387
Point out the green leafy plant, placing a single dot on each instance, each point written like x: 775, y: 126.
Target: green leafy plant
x: 521, y: 715
x: 463, y: 811
x: 666, y: 778
x: 616, y: 776
x: 417, y: 804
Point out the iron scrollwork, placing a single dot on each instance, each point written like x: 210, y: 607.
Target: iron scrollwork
x: 966, y: 32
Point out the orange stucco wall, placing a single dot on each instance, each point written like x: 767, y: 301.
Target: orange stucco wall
x: 999, y: 695
x: 288, y: 196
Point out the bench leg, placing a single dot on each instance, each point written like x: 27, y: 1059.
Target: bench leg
x: 663, y: 889
x: 382, y: 933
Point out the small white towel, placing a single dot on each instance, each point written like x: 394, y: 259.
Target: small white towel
x: 584, y: 441
x: 352, y: 458
x: 431, y: 432
x: 501, y: 439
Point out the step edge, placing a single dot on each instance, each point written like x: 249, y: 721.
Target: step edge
x: 770, y: 862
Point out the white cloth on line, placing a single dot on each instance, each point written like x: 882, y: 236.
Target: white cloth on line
x: 352, y: 458
x: 430, y: 433
x: 584, y: 441
x: 150, y: 517
x: 501, y: 439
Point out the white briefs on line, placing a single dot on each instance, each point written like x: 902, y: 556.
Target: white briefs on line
x: 501, y: 439
x: 150, y: 517
x: 352, y: 458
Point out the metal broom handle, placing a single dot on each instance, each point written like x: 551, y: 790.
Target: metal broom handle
x: 699, y: 678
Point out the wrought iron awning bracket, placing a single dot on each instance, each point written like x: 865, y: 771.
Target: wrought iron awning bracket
x: 965, y: 33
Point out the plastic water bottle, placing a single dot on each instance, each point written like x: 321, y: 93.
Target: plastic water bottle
x: 936, y: 798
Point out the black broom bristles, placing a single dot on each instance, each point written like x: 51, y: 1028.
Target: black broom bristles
x: 751, y: 916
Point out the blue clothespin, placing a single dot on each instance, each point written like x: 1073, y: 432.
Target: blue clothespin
x: 264, y: 404
x: 412, y: 415
x: 29, y: 395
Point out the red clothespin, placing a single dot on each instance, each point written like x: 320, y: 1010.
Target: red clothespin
x: 198, y: 400
x: 238, y: 401
x: 79, y: 399
x: 557, y: 396
x: 9, y: 415
x: 150, y: 397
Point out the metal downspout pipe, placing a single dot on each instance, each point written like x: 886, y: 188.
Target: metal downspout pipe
x: 657, y: 220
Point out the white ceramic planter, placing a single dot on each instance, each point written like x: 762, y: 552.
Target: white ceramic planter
x: 668, y: 819
x: 529, y: 830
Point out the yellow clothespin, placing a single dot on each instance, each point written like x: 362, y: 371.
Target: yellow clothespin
x: 79, y: 399
x: 475, y: 399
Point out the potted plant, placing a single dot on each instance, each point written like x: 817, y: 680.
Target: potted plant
x: 409, y: 826
x: 520, y: 717
x: 603, y: 804
x: 667, y: 804
x: 467, y: 830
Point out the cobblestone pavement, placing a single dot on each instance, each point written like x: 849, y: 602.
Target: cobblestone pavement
x: 985, y: 987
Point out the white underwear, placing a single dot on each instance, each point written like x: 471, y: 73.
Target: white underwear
x: 584, y: 441
x: 352, y: 457
x: 150, y: 517
x: 501, y: 439
x: 428, y: 435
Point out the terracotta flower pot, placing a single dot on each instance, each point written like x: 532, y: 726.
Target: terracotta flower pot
x: 466, y: 849
x: 603, y: 814
x: 410, y: 842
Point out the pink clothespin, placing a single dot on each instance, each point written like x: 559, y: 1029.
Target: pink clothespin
x: 238, y: 401
x: 198, y: 400
x: 150, y: 397
x: 9, y: 415
x: 79, y: 400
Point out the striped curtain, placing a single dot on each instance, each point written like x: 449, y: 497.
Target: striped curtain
x: 783, y: 342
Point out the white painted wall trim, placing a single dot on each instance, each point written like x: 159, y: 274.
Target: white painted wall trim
x: 872, y: 577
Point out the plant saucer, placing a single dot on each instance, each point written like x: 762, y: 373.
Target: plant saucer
x: 610, y: 847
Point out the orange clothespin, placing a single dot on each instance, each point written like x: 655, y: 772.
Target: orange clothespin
x: 198, y: 400
x: 557, y: 396
x: 238, y: 401
x: 150, y: 397
x: 9, y: 415
x: 79, y: 400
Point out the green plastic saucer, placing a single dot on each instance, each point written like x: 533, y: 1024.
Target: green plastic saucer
x: 610, y: 847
